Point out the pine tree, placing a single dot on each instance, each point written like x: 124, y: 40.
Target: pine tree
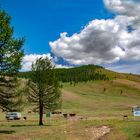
x: 11, y: 94
x: 43, y: 87
x: 10, y: 62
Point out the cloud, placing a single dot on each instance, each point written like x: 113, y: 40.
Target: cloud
x: 126, y: 68
x: 31, y: 58
x: 62, y: 66
x: 101, y: 41
x: 129, y: 8
x: 104, y: 41
x: 124, y: 7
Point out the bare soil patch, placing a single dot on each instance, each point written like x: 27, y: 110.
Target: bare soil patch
x: 90, y: 133
x: 98, y: 133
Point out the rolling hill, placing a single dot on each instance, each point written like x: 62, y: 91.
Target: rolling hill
x: 102, y: 102
x: 97, y: 92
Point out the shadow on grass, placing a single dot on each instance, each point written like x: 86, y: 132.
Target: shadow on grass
x: 7, y: 131
x: 29, y: 125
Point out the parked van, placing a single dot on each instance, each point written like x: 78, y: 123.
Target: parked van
x: 13, y: 116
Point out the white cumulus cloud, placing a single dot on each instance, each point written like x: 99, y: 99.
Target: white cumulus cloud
x: 125, y: 7
x: 101, y: 41
x: 31, y: 58
x: 104, y: 41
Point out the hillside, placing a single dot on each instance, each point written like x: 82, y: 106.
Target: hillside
x: 86, y: 73
x: 76, y: 74
x: 102, y: 98
x: 110, y: 97
x: 98, y: 92
x: 100, y: 102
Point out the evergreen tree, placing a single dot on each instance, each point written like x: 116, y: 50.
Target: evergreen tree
x: 10, y: 62
x: 11, y: 94
x: 43, y: 87
x: 77, y: 74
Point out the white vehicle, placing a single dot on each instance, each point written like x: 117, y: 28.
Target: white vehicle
x: 13, y: 116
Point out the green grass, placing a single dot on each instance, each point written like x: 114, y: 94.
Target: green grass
x: 123, y: 130
x: 93, y: 100
x: 101, y: 102
x: 67, y: 130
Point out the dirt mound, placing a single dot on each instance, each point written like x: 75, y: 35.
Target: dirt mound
x: 89, y: 133
x: 97, y: 133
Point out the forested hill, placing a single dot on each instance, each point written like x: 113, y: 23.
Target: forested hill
x: 80, y: 74
x: 76, y: 74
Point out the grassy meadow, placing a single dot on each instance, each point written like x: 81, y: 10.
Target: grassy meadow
x: 98, y: 103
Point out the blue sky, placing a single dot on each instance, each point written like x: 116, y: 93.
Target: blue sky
x: 42, y: 22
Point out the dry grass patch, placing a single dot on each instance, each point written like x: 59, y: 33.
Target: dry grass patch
x: 128, y: 83
x: 69, y: 96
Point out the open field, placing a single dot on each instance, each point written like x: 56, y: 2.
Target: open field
x: 102, y: 98
x: 61, y: 129
x: 98, y: 105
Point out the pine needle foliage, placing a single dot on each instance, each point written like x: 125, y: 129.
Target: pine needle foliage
x: 11, y: 54
x: 44, y: 87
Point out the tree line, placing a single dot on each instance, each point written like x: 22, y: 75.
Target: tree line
x: 74, y: 75
x: 80, y: 74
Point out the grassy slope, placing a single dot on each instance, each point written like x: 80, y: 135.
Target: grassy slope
x: 103, y: 98
x: 103, y: 102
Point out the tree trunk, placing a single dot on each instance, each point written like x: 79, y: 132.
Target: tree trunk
x: 40, y: 114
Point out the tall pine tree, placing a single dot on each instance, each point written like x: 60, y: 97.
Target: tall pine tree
x: 44, y: 90
x: 11, y: 54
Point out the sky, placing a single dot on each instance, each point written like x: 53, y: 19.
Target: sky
x: 78, y: 32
